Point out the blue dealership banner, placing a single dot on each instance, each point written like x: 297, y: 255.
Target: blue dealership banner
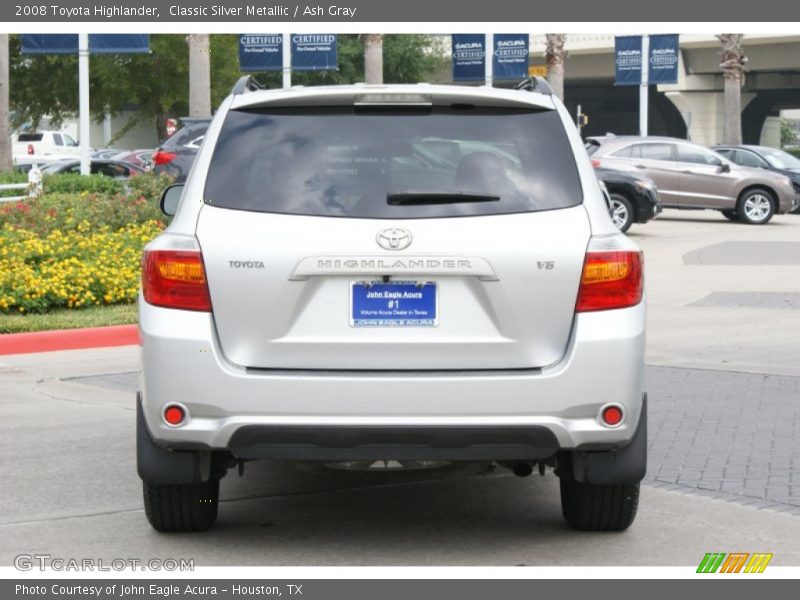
x: 663, y: 65
x: 99, y: 43
x: 510, y: 56
x: 628, y: 60
x: 469, y: 56
x: 260, y: 52
x: 313, y: 51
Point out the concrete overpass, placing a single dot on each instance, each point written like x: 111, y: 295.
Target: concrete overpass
x: 692, y: 108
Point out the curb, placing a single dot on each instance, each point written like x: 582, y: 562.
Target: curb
x: 69, y: 339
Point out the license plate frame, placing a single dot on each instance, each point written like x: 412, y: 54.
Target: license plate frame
x: 398, y: 309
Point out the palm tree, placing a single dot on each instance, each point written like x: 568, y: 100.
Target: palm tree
x: 732, y: 65
x: 554, y: 55
x: 5, y: 138
x: 199, y: 75
x: 373, y: 58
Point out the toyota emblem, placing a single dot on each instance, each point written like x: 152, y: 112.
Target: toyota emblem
x: 394, y: 238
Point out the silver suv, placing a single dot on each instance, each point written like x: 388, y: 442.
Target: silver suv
x: 399, y: 273
x: 690, y: 176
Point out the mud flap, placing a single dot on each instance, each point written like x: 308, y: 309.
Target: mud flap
x: 626, y: 466
x: 157, y: 465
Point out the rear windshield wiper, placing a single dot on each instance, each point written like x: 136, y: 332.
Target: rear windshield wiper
x: 420, y: 198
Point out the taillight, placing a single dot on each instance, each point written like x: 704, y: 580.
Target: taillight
x: 175, y: 279
x: 162, y: 158
x: 595, y: 162
x: 30, y: 148
x: 610, y: 279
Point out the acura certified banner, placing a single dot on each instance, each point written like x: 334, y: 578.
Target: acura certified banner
x: 313, y: 51
x: 60, y: 43
x: 663, y: 65
x: 628, y: 60
x: 663, y: 58
x: 260, y: 52
x: 469, y: 56
x: 510, y: 56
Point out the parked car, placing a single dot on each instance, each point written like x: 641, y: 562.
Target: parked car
x: 24, y: 164
x: 632, y: 198
x: 324, y: 294
x: 764, y: 157
x: 105, y: 153
x: 142, y: 157
x: 690, y: 176
x: 43, y: 143
x: 176, y: 155
x: 109, y: 168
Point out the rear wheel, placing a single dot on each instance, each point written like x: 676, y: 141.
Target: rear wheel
x: 595, y: 507
x: 621, y: 212
x: 731, y: 215
x: 181, y: 507
x: 756, y: 207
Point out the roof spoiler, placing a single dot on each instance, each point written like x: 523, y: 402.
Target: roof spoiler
x: 535, y: 84
x: 247, y: 83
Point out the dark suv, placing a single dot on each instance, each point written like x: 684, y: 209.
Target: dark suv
x: 176, y: 155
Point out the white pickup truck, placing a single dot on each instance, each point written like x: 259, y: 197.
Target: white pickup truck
x: 50, y: 144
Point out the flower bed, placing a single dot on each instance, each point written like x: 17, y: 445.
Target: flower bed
x: 77, y: 249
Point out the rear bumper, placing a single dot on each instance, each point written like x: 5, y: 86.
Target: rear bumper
x: 530, y: 412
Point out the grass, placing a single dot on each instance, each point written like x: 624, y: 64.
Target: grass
x: 95, y: 316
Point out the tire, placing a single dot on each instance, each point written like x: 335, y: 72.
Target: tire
x: 594, y: 507
x: 731, y: 215
x: 181, y: 507
x: 621, y: 211
x: 755, y: 207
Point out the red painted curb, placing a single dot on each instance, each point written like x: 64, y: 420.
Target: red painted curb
x: 69, y: 339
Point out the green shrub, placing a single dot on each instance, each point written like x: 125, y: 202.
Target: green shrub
x: 144, y: 184
x: 64, y: 212
x: 66, y: 183
x: 13, y: 177
x: 149, y: 186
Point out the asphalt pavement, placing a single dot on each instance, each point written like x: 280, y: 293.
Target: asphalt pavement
x: 723, y: 470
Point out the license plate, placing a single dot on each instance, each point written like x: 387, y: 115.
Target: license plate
x: 392, y: 304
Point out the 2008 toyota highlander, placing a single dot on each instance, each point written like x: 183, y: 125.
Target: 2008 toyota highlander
x: 399, y: 273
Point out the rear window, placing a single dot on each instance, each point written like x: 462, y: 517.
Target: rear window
x: 438, y: 162
x: 30, y: 137
x: 189, y: 136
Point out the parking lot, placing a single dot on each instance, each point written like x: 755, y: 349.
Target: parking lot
x: 723, y: 379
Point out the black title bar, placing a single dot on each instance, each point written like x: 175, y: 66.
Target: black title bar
x: 441, y: 11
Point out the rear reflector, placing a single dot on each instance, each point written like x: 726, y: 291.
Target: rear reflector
x: 612, y: 415
x: 162, y: 158
x: 175, y: 279
x: 174, y: 415
x: 595, y: 162
x: 610, y: 279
